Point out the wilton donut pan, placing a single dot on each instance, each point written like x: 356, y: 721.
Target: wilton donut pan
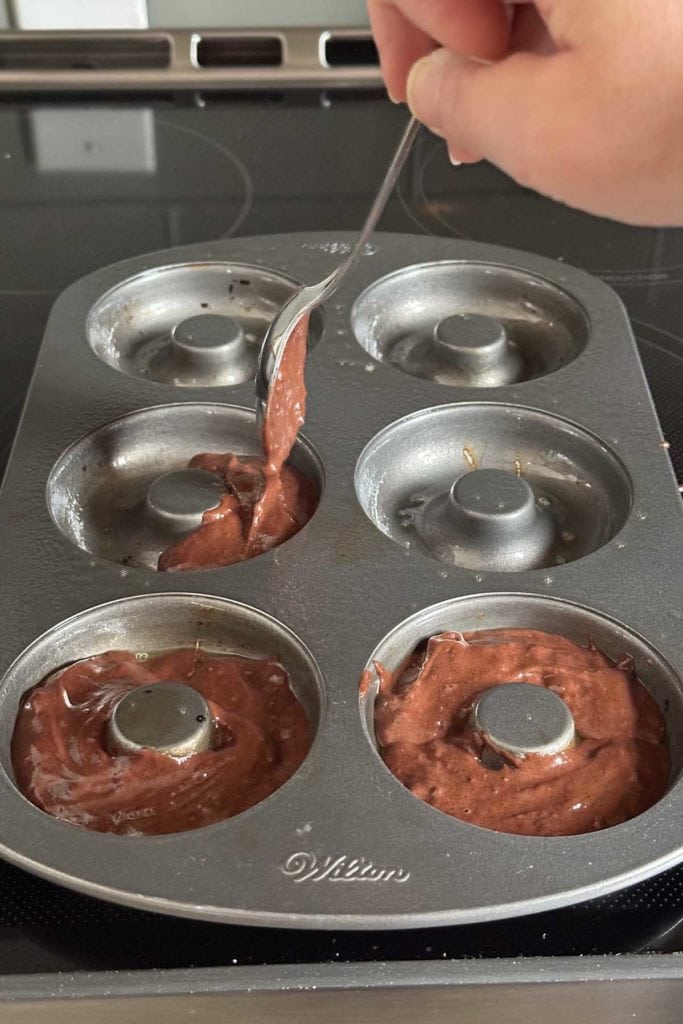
x: 435, y: 359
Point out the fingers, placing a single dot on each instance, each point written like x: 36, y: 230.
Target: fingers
x: 478, y: 28
x: 406, y: 30
x: 529, y: 31
x: 505, y: 112
x: 582, y: 102
x: 400, y: 45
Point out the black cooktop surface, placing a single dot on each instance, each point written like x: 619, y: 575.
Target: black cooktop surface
x: 87, y: 183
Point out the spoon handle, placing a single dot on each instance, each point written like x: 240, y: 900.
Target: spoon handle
x: 331, y: 282
x: 309, y: 296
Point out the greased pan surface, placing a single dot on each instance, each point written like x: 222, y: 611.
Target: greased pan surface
x: 343, y: 844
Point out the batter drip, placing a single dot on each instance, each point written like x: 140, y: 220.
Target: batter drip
x: 63, y: 765
x: 618, y: 767
x: 266, y: 501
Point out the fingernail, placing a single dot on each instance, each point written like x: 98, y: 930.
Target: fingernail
x: 392, y: 97
x: 455, y: 161
x: 424, y: 87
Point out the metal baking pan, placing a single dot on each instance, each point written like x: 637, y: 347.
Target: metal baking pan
x: 343, y: 844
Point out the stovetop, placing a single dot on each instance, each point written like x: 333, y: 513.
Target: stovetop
x: 89, y: 183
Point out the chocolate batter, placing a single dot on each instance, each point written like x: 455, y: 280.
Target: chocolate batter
x: 266, y: 502
x: 63, y: 765
x: 618, y: 767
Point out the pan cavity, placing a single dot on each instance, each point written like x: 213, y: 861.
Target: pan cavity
x: 473, y: 325
x: 493, y: 487
x: 126, y: 492
x: 515, y: 717
x: 161, y: 715
x: 191, y: 325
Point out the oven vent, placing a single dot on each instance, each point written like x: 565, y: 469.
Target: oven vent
x: 232, y: 51
x: 347, y: 51
x: 27, y: 52
x: 173, y: 59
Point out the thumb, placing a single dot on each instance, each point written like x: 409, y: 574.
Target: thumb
x: 507, y: 112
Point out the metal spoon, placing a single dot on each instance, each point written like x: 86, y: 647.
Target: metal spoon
x: 309, y: 296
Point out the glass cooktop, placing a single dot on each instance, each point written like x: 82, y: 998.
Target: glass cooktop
x: 88, y: 183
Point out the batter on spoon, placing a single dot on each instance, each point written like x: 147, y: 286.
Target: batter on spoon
x: 266, y: 501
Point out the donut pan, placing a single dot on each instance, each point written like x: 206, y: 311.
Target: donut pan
x: 560, y: 402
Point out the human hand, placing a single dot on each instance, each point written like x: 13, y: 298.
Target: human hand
x: 578, y: 99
